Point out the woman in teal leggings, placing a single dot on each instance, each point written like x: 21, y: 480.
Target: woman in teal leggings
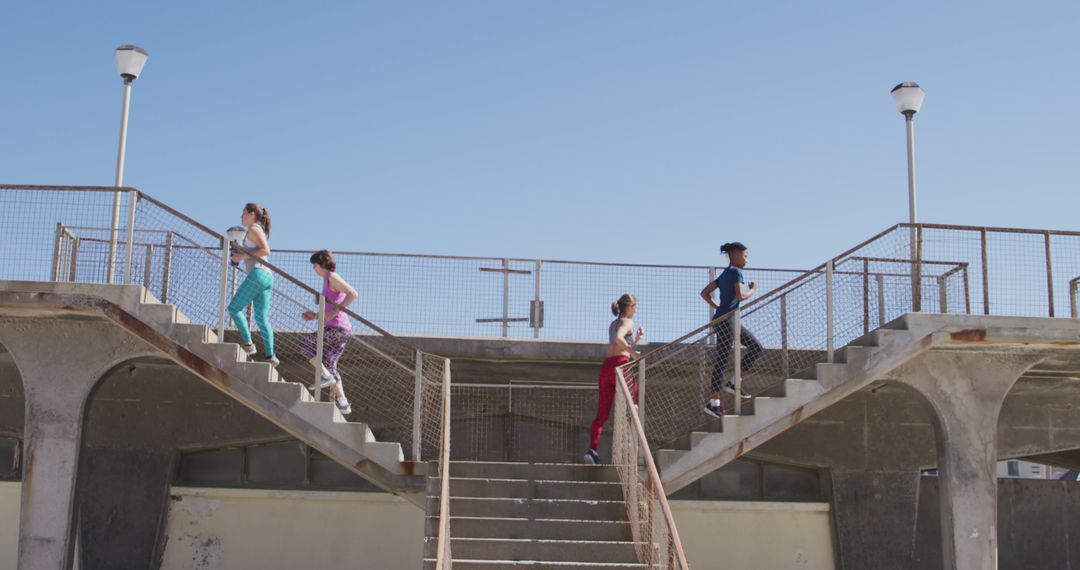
x: 259, y: 283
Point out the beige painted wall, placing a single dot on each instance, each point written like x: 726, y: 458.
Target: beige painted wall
x: 9, y: 524
x: 210, y: 529
x: 755, y: 535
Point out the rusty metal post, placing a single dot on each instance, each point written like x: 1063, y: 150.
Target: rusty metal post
x: 866, y: 295
x: 224, y: 288
x: 916, y: 301
x: 506, y: 298
x: 943, y: 295
x: 829, y: 270
x: 148, y: 264
x: 537, y: 308
x: 74, y: 259
x: 785, y: 357
x: 880, y: 299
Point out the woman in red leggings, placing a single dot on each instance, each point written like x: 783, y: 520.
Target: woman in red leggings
x: 621, y: 349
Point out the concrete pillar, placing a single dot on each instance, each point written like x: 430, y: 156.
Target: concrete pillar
x: 965, y: 390
x: 60, y: 361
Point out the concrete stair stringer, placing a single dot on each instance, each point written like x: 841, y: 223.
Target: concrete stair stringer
x: 223, y: 365
x: 835, y: 381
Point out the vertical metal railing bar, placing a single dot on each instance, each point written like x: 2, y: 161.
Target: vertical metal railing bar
x: 737, y: 357
x: 967, y: 291
x: 222, y: 299
x: 133, y: 199
x: 506, y: 298
x: 829, y: 334
x: 148, y: 264
x: 537, y: 308
x: 985, y: 272
x: 641, y: 390
x: 785, y: 356
x: 1049, y: 277
x: 866, y: 295
x: 917, y: 270
x: 167, y: 269
x: 1072, y: 296
x: 418, y: 390
x: 319, y: 339
x: 75, y: 242
x: 943, y: 295
x: 59, y: 236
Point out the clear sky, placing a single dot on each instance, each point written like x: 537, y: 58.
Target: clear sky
x: 614, y: 131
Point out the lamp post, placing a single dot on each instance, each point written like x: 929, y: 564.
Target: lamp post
x: 908, y: 97
x: 129, y: 63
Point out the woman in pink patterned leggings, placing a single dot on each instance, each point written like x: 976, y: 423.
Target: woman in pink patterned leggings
x: 336, y: 328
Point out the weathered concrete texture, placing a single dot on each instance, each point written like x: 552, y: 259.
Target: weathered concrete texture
x: 1038, y: 525
x: 138, y: 415
x: 12, y: 402
x: 875, y: 527
x: 966, y: 390
x: 57, y: 383
x: 123, y: 495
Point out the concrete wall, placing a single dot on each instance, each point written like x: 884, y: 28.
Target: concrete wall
x: 211, y: 529
x: 752, y: 535
x: 9, y: 524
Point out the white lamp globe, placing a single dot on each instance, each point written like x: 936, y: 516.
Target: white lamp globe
x: 130, y: 61
x: 908, y: 97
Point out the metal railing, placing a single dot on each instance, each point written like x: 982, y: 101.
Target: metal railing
x: 947, y: 269
x: 656, y: 538
x: 62, y: 233
x: 444, y: 559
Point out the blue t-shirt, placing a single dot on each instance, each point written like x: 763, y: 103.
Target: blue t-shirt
x: 725, y: 288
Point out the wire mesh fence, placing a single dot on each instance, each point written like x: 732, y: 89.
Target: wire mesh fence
x: 785, y: 332
x: 655, y: 535
x: 62, y: 234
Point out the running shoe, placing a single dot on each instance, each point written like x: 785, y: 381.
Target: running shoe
x: 592, y: 457
x: 714, y: 411
x: 273, y: 360
x: 344, y: 406
x: 327, y: 381
x: 249, y: 349
x: 730, y: 389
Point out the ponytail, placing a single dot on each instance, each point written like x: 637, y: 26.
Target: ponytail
x: 262, y: 216
x: 732, y: 246
x: 619, y: 307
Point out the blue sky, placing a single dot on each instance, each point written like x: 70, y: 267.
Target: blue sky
x: 615, y: 131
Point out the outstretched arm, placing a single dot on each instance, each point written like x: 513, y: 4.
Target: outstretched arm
x: 707, y: 292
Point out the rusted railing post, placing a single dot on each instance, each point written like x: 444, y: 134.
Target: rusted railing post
x: 985, y: 272
x: 148, y: 265
x: 866, y: 295
x: 785, y: 356
x: 73, y: 273
x: 1049, y: 276
x: 943, y: 295
x: 222, y: 299
x: 829, y: 270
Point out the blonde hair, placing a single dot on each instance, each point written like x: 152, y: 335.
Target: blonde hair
x: 619, y: 307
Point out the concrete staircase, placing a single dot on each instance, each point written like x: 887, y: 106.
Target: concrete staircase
x: 854, y: 366
x: 196, y: 347
x: 532, y: 515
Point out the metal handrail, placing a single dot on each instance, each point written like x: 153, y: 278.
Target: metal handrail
x: 653, y: 474
x: 444, y: 558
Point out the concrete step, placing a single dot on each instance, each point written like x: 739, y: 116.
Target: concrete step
x: 560, y: 529
x: 544, y: 471
x: 188, y: 334
x: 572, y: 509
x: 532, y: 489
x: 470, y: 564
x: 318, y: 413
x: 288, y: 394
x: 533, y: 549
x: 158, y: 314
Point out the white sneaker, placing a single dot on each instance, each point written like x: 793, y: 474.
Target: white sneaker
x: 327, y: 381
x: 249, y: 349
x: 730, y: 389
x: 343, y: 405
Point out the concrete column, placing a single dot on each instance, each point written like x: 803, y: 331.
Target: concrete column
x: 59, y: 361
x: 966, y: 390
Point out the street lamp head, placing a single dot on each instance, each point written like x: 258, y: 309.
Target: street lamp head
x: 908, y: 97
x: 130, y: 61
